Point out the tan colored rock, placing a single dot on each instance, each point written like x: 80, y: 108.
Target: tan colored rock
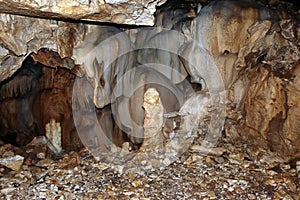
x: 18, y: 39
x: 116, y: 11
x: 223, y: 27
x: 6, y: 191
x: 217, y: 151
x: 238, y: 34
x: 53, y: 133
x: 270, y: 115
x: 291, y: 125
x: 153, y: 121
x: 14, y: 163
x: 256, y: 54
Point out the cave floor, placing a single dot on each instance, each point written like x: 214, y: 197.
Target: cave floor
x: 80, y: 176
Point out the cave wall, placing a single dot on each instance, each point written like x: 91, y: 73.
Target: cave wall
x: 254, y: 46
x: 37, y: 94
x: 115, y: 11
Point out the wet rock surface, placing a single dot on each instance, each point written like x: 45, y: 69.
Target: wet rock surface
x: 231, y: 175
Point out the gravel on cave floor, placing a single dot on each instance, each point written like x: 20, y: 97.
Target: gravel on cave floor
x: 80, y: 176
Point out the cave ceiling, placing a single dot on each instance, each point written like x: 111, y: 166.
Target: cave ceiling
x: 135, y: 12
x: 29, y: 26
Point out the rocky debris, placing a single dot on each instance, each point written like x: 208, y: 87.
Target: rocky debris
x: 13, y: 162
x: 80, y: 176
x: 217, y: 151
x: 40, y: 146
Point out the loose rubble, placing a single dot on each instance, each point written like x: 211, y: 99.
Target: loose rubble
x: 14, y: 162
x: 230, y: 174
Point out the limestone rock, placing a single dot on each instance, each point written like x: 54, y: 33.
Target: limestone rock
x: 255, y: 49
x: 153, y: 120
x: 14, y: 163
x: 19, y: 39
x: 53, y: 133
x: 217, y: 151
x: 257, y: 54
x: 270, y: 114
x: 232, y: 20
x: 116, y: 11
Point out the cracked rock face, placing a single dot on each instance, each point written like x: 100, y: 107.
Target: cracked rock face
x: 18, y: 39
x: 134, y: 12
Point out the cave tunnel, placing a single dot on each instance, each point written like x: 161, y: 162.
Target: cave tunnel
x: 206, y: 98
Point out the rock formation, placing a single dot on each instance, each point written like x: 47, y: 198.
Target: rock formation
x: 253, y: 51
x: 119, y: 11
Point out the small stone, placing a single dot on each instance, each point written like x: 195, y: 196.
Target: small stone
x: 208, y: 159
x: 236, y: 158
x: 13, y: 163
x: 8, y: 154
x: 136, y: 183
x: 192, y: 159
x: 69, y: 161
x: 44, y: 163
x: 6, y: 191
x: 41, y: 155
x: 211, y: 195
x: 231, y: 189
x: 232, y: 181
x: 4, y: 148
x: 218, y: 151
x: 219, y: 160
x: 118, y: 18
x: 251, y: 196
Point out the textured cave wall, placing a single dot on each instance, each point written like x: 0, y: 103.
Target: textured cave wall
x: 19, y: 39
x: 114, y: 11
x: 263, y: 112
x: 255, y: 47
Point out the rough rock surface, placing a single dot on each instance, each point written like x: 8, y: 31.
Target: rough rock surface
x: 256, y: 50
x: 79, y: 176
x: 14, y: 162
x: 255, y: 47
x: 116, y: 11
x: 19, y: 39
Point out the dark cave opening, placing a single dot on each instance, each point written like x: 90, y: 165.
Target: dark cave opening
x: 34, y: 95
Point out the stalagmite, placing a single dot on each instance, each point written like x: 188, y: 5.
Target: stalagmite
x: 153, y: 121
x: 53, y: 133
